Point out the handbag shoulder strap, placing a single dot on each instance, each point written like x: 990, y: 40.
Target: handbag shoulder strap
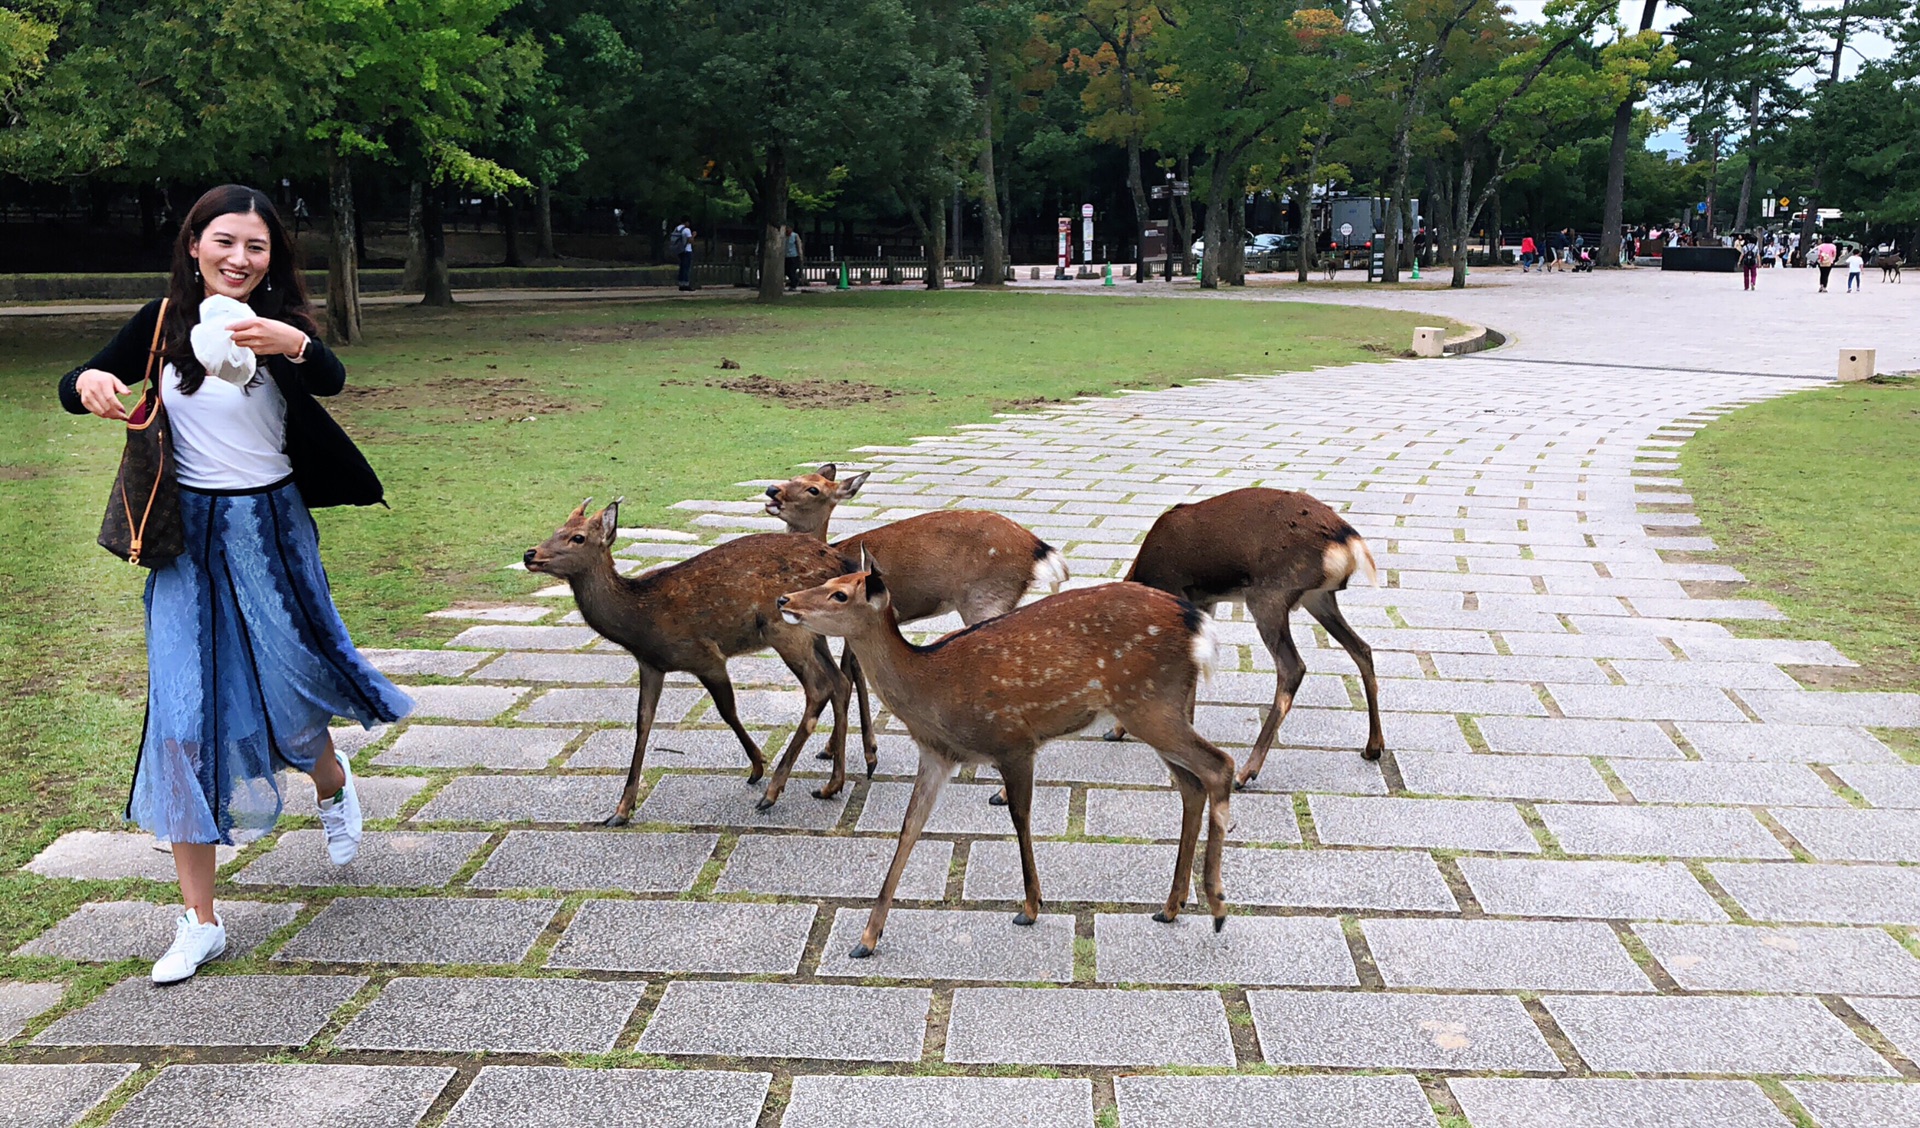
x: 153, y: 347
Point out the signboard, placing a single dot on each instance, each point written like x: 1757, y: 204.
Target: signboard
x: 1086, y: 211
x: 1060, y: 250
x: 1346, y: 229
x: 1086, y: 240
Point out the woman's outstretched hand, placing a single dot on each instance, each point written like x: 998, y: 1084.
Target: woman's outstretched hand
x: 100, y: 393
x: 267, y: 337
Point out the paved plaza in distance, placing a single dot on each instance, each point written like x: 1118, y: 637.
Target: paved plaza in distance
x: 1617, y: 868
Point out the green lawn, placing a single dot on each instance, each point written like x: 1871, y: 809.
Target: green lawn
x: 489, y: 422
x: 1816, y: 497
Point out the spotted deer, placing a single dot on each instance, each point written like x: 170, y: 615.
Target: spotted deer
x: 968, y: 561
x: 692, y: 616
x: 994, y: 692
x: 1272, y: 550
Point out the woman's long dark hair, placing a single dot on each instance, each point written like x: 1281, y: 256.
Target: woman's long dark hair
x: 282, y: 295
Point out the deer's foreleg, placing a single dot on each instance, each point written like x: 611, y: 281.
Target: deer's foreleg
x: 651, y: 680
x: 1018, y: 777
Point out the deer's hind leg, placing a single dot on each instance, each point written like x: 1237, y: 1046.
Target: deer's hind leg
x: 720, y: 687
x: 1201, y: 772
x: 1271, y: 612
x: 1322, y: 606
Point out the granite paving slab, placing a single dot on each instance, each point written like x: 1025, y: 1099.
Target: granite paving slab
x: 386, y: 858
x: 1099, y: 761
x: 524, y: 638
x: 103, y: 931
x: 1294, y: 1101
x: 1350, y: 1030
x: 1498, y: 698
x: 474, y: 746
x: 1589, y: 1102
x: 463, y: 702
x: 1883, y: 785
x: 436, y: 663
x: 782, y: 1020
x: 1229, y: 687
x: 545, y: 1096
x: 56, y: 1096
x: 719, y: 749
x: 1807, y: 961
x: 1842, y: 1104
x: 1256, y: 817
x: 804, y: 865
x: 1277, y: 951
x: 596, y: 859
x: 1297, y: 769
x: 702, y: 800
x: 107, y: 855
x: 1087, y: 1026
x: 1716, y: 675
x: 286, y: 1096
x: 1591, y: 889
x: 421, y: 930
x: 1645, y: 702
x: 1854, y: 835
x: 939, y: 1102
x: 1740, y: 1034
x: 601, y: 706
x: 1456, y: 824
x: 684, y: 936
x: 1779, y: 651
x: 1744, y: 784
x: 479, y: 1015
x: 953, y: 944
x: 1556, y: 736
x: 1580, y: 646
x: 1497, y: 955
x: 1831, y: 894
x: 579, y: 669
x: 1501, y: 776
x: 1660, y: 832
x: 963, y: 809
x: 1802, y: 744
x: 494, y: 614
x: 381, y: 796
x: 520, y: 798
x: 1809, y: 707
x: 1898, y: 1019
x: 351, y: 738
x: 207, y: 1010
x: 22, y: 1002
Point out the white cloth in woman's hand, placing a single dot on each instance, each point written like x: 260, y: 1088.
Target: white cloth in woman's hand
x: 213, y: 341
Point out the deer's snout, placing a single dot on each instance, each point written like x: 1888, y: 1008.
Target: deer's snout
x: 783, y: 601
x: 529, y: 558
x: 773, y: 492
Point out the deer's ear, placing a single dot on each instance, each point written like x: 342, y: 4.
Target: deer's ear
x: 827, y: 471
x: 877, y: 594
x: 610, y: 520
x: 852, y: 485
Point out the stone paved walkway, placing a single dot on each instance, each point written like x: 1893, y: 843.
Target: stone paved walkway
x: 1618, y: 867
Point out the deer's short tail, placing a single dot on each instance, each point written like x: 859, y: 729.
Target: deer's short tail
x: 1346, y: 558
x: 1205, y: 644
x: 1049, y: 567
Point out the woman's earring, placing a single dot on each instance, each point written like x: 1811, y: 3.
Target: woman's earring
x: 269, y: 283
x: 196, y: 274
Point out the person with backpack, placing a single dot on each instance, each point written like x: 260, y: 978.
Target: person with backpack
x: 1749, y: 263
x: 1824, y: 256
x: 681, y: 243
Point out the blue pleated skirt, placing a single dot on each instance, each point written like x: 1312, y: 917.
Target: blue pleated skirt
x: 247, y: 664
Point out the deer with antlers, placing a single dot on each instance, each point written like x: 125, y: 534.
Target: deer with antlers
x: 994, y: 692
x: 692, y: 616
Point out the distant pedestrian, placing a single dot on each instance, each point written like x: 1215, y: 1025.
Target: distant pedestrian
x: 682, y: 247
x: 1854, y: 265
x: 1528, y: 253
x: 796, y: 253
x: 1824, y: 256
x: 1749, y: 263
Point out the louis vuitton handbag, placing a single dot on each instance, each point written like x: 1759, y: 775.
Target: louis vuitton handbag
x: 142, y: 525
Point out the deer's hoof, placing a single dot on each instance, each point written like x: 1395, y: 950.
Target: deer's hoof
x: 1219, y: 923
x: 616, y: 820
x: 764, y: 805
x: 825, y: 754
x: 872, y: 767
x: 997, y: 799
x: 1114, y: 734
x: 1162, y: 917
x: 861, y: 952
x: 825, y: 792
x: 1021, y: 918
x: 1241, y: 784
x: 1371, y: 753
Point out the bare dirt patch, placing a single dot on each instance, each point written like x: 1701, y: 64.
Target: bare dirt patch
x: 803, y: 393
x: 474, y: 399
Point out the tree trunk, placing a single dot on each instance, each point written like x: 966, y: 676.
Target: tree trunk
x: 1137, y: 192
x: 1233, y: 253
x: 931, y: 221
x: 343, y: 271
x: 773, y: 218
x: 1403, y: 156
x: 413, y: 274
x: 1215, y: 235
x: 543, y: 223
x: 510, y: 228
x: 993, y: 246
x: 1462, y: 222
x: 1753, y: 159
x: 436, y: 289
x: 1610, y: 215
x: 1309, y: 239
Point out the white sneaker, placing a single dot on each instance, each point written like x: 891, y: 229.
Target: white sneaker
x: 340, y: 818
x: 193, y: 944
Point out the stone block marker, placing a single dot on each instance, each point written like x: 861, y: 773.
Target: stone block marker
x: 1712, y: 1034
x: 939, y: 1102
x: 1839, y: 1104
x: 400, y: 859
x: 1594, y: 890
x: 1256, y: 817
x: 103, y: 931
x: 805, y: 865
x: 1502, y: 955
x: 1349, y: 1030
x: 510, y: 1016
x: 954, y: 944
x: 55, y: 1096
x: 1273, y: 1102
x: 780, y: 1020
x: 596, y: 859
x: 544, y: 1096
x: 702, y: 800
x: 286, y: 1096
x: 421, y: 930
x: 21, y: 1003
x: 1457, y: 824
x: 226, y: 1010
x: 1826, y: 894
x: 103, y: 855
x: 474, y: 746
x: 962, y: 809
x: 1280, y: 951
x: 1098, y: 1026
x: 1661, y: 832
x: 1804, y: 961
x: 685, y: 936
x: 515, y: 798
x: 1513, y: 1102
x: 1898, y: 1019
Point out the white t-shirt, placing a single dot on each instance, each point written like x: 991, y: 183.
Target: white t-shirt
x: 1855, y: 262
x: 227, y: 438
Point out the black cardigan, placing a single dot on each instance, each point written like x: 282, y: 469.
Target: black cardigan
x: 327, y: 467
